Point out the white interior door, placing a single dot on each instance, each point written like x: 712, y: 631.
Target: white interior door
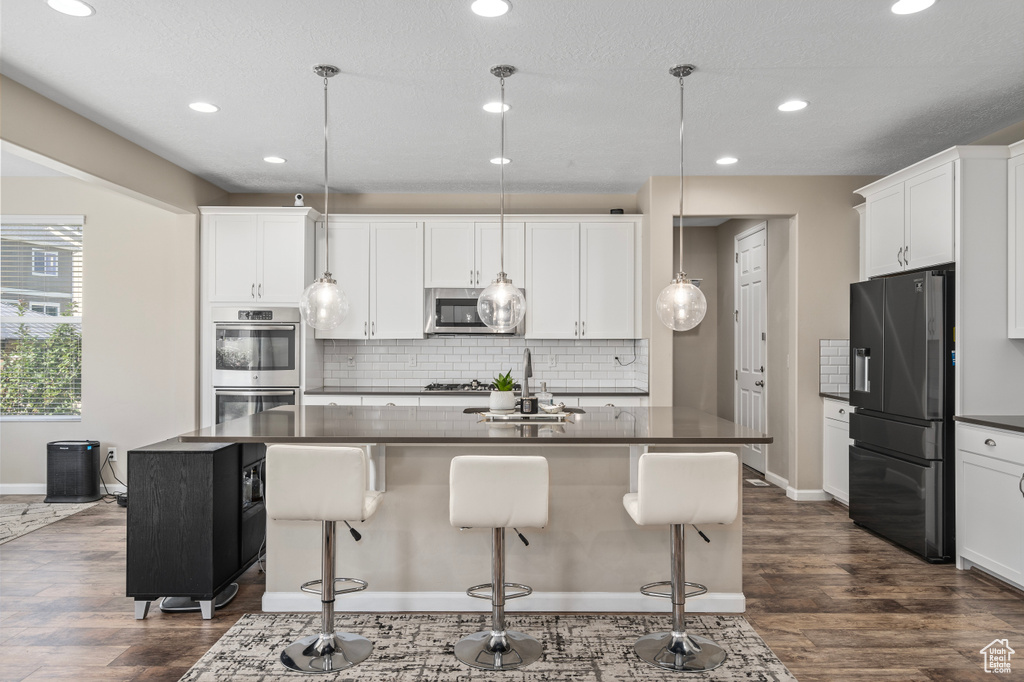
x: 751, y: 287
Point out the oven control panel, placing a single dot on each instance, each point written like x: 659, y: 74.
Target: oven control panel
x: 249, y: 315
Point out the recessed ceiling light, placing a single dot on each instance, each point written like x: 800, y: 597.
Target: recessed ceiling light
x: 74, y: 8
x: 498, y: 161
x: 911, y: 6
x: 793, y: 105
x: 727, y: 161
x: 495, y: 107
x: 273, y: 159
x: 203, y: 107
x: 490, y: 8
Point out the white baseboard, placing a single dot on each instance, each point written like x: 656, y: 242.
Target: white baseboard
x: 776, y: 480
x: 40, y: 488
x: 563, y: 602
x: 808, y: 495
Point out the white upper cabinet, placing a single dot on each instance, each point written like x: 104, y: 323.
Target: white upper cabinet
x: 1015, y: 241
x: 449, y: 258
x: 580, y: 280
x: 552, y: 280
x: 379, y: 266
x: 910, y: 223
x: 606, y: 280
x: 465, y: 254
x: 257, y: 255
x: 488, y: 253
x: 929, y: 226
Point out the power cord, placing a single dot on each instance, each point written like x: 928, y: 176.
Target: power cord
x: 109, y: 497
x: 626, y: 364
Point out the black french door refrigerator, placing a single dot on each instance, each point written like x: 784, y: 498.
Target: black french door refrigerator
x: 901, y: 389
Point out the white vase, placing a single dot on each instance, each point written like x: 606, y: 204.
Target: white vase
x: 502, y: 401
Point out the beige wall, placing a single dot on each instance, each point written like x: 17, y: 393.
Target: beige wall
x: 695, y: 384
x: 448, y: 203
x: 139, y: 324
x: 824, y: 249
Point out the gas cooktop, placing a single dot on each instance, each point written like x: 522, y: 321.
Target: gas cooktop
x: 473, y: 385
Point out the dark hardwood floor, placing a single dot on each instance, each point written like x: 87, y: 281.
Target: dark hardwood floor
x: 832, y: 601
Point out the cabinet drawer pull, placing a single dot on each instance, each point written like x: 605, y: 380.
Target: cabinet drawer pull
x: 989, y: 442
x: 391, y: 405
x: 609, y: 404
x: 842, y: 411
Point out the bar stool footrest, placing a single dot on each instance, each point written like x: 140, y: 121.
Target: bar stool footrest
x: 647, y: 590
x: 477, y: 591
x: 360, y: 585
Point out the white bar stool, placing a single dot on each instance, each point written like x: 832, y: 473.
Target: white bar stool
x: 678, y: 489
x: 498, y: 492
x: 326, y: 484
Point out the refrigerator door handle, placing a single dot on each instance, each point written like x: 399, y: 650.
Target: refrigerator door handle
x: 861, y: 369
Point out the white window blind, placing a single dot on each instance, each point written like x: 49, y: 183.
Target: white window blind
x: 41, y: 311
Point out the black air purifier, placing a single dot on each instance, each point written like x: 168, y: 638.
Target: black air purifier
x: 73, y: 471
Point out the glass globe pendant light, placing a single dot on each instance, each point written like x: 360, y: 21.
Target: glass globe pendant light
x: 501, y: 306
x: 323, y: 305
x: 681, y: 305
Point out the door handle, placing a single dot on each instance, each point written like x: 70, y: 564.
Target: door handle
x: 759, y: 383
x: 365, y: 324
x: 471, y: 277
x: 259, y: 291
x: 252, y: 291
x: 898, y: 258
x: 989, y: 442
x: 1020, y: 485
x: 373, y: 328
x: 906, y: 255
x: 576, y: 329
x: 478, y: 278
x: 583, y: 326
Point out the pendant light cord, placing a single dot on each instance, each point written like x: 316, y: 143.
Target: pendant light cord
x: 501, y: 195
x: 681, y: 110
x: 327, y: 232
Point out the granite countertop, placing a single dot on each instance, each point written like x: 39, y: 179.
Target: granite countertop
x: 1012, y: 422
x: 844, y: 395
x: 447, y: 425
x: 412, y: 390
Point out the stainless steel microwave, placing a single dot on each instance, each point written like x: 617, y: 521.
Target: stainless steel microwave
x: 452, y: 312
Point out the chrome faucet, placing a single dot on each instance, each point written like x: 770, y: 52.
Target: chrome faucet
x: 527, y: 372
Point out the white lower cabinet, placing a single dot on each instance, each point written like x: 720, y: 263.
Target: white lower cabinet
x: 990, y: 501
x: 391, y: 400
x: 836, y: 444
x: 332, y: 400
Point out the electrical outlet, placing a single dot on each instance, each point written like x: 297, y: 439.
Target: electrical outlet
x: 552, y: 361
x: 412, y: 360
x: 112, y: 454
x: 351, y: 361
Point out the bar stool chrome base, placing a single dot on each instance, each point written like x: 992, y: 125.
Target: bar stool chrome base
x: 325, y: 653
x: 679, y: 651
x: 490, y: 650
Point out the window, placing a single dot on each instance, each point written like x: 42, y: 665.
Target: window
x: 44, y: 263
x: 41, y: 317
x: 45, y: 308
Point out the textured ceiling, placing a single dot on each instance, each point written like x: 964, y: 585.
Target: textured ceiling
x: 594, y: 108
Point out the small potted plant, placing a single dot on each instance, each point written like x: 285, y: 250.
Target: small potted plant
x: 503, y: 398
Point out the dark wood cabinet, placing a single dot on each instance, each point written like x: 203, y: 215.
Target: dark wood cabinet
x: 188, y: 533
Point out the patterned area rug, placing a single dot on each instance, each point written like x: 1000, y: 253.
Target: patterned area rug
x: 420, y: 648
x: 18, y: 519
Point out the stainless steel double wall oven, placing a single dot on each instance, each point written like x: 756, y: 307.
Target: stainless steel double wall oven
x: 257, y: 363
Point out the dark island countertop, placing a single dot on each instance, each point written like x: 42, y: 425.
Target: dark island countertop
x: 413, y: 390
x: 1010, y: 422
x: 446, y: 425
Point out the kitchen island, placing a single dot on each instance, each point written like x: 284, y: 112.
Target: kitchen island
x: 591, y: 557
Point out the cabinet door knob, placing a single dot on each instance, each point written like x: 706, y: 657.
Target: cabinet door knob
x: 609, y: 404
x: 332, y: 404
x: 989, y: 442
x: 842, y: 411
x: 391, y: 405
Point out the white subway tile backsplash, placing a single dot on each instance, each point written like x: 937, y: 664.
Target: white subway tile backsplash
x: 834, y: 365
x: 562, y: 363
